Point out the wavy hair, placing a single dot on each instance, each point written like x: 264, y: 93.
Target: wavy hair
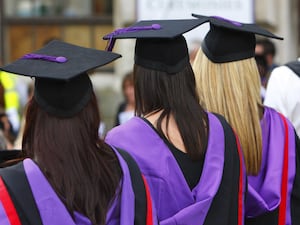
x: 80, y: 167
x: 233, y: 90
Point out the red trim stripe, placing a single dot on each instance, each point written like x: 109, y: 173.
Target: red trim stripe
x: 8, y: 205
x: 284, y: 179
x: 241, y: 184
x: 149, y: 215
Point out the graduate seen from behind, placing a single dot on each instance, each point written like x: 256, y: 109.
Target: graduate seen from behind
x: 68, y: 175
x: 190, y: 158
x: 228, y: 83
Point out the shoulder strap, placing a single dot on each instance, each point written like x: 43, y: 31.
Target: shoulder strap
x: 19, y: 190
x: 143, y: 203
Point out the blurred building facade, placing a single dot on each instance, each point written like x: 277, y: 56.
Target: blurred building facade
x: 280, y: 16
x: 28, y: 24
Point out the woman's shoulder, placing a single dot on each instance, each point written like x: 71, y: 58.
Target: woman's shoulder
x: 130, y: 128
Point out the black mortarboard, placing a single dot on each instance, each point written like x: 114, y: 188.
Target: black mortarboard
x: 160, y: 44
x: 62, y: 86
x: 228, y: 40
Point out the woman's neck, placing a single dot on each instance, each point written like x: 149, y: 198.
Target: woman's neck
x: 170, y: 129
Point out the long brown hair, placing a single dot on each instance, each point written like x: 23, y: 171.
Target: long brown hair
x: 81, y: 168
x: 173, y: 94
x: 233, y: 90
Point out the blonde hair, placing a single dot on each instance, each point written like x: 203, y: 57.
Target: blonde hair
x: 233, y: 90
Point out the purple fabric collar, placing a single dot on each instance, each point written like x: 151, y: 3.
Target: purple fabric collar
x: 53, y: 211
x: 264, y: 189
x: 191, y: 206
x: 207, y: 188
x: 122, y: 210
x: 3, y: 217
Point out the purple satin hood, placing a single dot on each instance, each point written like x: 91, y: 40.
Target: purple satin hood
x: 265, y: 188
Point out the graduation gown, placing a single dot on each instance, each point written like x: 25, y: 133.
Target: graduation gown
x: 127, y: 209
x: 274, y: 194
x: 218, y: 196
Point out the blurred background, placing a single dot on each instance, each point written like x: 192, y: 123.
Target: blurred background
x: 26, y: 25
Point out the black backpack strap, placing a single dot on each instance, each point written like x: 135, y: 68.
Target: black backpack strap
x: 18, y: 187
x: 138, y: 188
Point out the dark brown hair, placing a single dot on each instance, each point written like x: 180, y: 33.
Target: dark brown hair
x: 81, y: 168
x: 173, y: 94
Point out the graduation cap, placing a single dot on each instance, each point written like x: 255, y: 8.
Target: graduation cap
x: 229, y: 40
x: 160, y: 44
x: 62, y: 85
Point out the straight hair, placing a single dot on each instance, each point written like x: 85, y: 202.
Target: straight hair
x: 173, y: 94
x: 233, y: 90
x: 81, y: 168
